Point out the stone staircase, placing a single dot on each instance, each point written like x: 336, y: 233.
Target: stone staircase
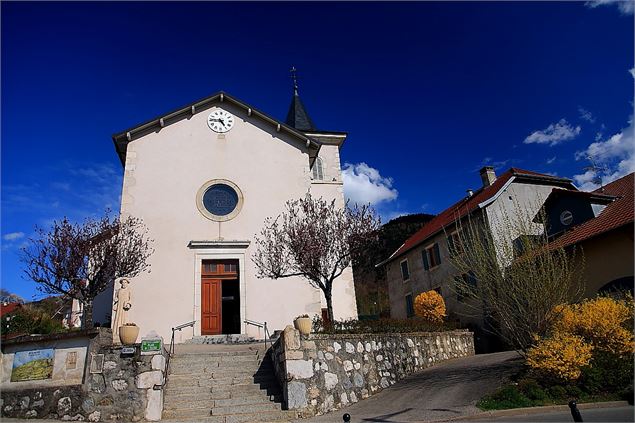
x: 224, y: 387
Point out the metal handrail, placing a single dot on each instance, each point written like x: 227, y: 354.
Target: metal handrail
x: 260, y: 325
x: 171, y: 351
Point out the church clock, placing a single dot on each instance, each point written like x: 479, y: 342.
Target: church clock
x: 220, y: 121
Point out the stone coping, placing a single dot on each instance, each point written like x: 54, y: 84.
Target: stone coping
x: 383, y: 334
x: 82, y: 333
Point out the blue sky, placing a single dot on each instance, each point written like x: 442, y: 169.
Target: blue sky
x: 429, y: 93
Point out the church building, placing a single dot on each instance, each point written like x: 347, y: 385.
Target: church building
x: 203, y: 178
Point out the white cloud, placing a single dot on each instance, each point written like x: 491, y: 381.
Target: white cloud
x: 632, y: 72
x: 363, y: 184
x: 13, y: 236
x: 586, y: 115
x: 551, y: 160
x: 626, y: 7
x: 611, y: 159
x: 554, y: 134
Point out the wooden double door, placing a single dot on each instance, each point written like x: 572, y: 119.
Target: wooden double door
x: 220, y: 299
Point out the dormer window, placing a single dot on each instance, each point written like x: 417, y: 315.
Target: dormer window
x: 318, y: 169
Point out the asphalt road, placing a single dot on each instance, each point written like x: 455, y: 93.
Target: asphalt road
x: 445, y: 391
x: 613, y: 414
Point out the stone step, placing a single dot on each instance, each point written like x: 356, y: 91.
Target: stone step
x: 232, y: 362
x: 194, y: 370
x: 197, y: 396
x: 222, y: 380
x: 188, y: 413
x: 221, y: 339
x: 268, y: 386
x: 265, y: 417
x: 276, y: 416
x: 179, y: 402
x: 245, y: 400
x: 255, y: 400
x: 218, y: 372
x: 246, y: 408
x: 208, y: 354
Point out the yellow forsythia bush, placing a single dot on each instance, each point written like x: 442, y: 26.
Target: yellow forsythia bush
x: 603, y: 322
x: 430, y: 306
x: 561, y: 356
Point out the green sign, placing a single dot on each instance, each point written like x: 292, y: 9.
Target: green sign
x: 150, y: 345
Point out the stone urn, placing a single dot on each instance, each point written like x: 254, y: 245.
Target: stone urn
x: 303, y: 325
x: 128, y: 334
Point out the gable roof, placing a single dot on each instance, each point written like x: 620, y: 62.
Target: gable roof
x: 615, y: 215
x: 122, y: 138
x: 592, y: 197
x: 479, y: 200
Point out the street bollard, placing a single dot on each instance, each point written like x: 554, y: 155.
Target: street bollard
x: 577, y: 417
x: 346, y: 417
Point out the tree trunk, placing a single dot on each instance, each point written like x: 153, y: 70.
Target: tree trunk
x: 329, y: 309
x: 87, y: 315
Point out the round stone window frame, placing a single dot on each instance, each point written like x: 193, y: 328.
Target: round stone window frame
x: 216, y: 218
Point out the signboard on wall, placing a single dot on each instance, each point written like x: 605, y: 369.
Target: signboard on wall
x: 151, y: 346
x: 32, y: 365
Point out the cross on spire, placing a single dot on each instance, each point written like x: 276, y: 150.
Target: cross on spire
x: 294, y: 77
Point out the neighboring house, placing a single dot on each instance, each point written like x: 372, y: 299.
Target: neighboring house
x: 422, y: 262
x: 371, y: 288
x: 599, y: 225
x: 204, y: 178
x: 8, y: 308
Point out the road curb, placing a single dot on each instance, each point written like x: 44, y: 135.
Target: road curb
x: 536, y: 410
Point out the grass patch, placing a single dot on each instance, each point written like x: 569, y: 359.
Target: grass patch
x: 528, y: 393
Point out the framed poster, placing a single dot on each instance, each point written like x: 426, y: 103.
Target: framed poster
x: 32, y: 365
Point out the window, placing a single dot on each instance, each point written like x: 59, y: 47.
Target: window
x: 405, y: 272
x: 219, y: 200
x: 318, y: 169
x: 431, y: 256
x: 455, y: 246
x: 410, y: 309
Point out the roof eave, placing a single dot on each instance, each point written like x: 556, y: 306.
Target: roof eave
x: 122, y: 139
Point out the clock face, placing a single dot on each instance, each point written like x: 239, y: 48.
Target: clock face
x: 220, y: 121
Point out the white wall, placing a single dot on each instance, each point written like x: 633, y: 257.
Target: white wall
x: 163, y: 172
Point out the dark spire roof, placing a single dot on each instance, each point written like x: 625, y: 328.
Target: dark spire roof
x: 297, y: 116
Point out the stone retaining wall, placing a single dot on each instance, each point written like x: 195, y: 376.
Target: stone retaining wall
x: 122, y: 391
x: 322, y: 373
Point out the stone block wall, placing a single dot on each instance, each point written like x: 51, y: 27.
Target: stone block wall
x: 122, y: 391
x: 322, y: 373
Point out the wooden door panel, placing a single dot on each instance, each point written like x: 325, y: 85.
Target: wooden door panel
x: 211, y: 317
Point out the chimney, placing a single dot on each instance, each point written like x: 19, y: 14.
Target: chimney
x: 488, y: 176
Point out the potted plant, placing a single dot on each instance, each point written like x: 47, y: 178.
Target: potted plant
x: 303, y: 324
x: 128, y: 333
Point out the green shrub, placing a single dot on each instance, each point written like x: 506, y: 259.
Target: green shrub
x: 558, y: 392
x: 506, y: 397
x: 30, y: 320
x: 533, y: 390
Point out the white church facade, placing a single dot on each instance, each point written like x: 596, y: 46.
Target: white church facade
x: 203, y: 178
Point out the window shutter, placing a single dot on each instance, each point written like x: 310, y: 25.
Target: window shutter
x: 424, y: 256
x: 451, y: 244
x: 437, y: 254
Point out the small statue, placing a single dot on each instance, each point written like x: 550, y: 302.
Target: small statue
x: 121, y: 306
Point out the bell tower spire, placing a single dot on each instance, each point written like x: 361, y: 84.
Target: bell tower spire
x: 297, y: 115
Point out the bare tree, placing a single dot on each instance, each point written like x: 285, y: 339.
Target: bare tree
x: 81, y: 260
x: 314, y: 239
x: 508, y: 273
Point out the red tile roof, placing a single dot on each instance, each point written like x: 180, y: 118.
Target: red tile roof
x: 615, y: 215
x: 9, y: 308
x: 468, y: 205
